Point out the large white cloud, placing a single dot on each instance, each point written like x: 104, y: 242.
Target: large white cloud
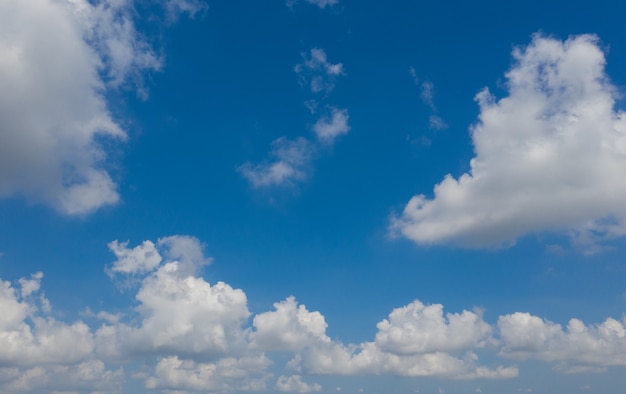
x: 59, y: 59
x: 577, y: 348
x: 290, y: 327
x: 419, y: 328
x: 548, y: 156
x: 416, y: 340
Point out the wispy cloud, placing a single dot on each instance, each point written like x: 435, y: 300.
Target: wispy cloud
x: 291, y: 160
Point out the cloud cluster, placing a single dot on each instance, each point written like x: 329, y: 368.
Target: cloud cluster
x: 187, y: 334
x: 548, y: 156
x: 578, y: 348
x: 291, y: 160
x: 59, y: 60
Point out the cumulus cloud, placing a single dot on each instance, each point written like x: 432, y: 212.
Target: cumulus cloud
x: 180, y: 313
x: 294, y: 384
x: 291, y: 162
x: 226, y: 375
x: 416, y: 340
x: 59, y: 60
x: 290, y: 327
x: 142, y: 258
x: 577, y: 348
x: 201, y: 338
x: 548, y: 156
x: 419, y: 328
x: 30, y: 338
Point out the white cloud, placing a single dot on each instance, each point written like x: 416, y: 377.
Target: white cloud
x: 42, y: 341
x: 415, y: 341
x: 202, y: 339
x: 291, y: 162
x: 318, y: 72
x: 290, y: 327
x: 419, y: 328
x: 368, y: 358
x: 88, y: 375
x: 548, y: 156
x: 330, y: 127
x: 226, y: 375
x: 578, y: 348
x: 140, y: 259
x: 294, y: 384
x: 59, y: 60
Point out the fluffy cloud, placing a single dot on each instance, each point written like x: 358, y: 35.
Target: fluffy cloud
x: 548, y: 156
x: 142, y: 258
x: 92, y: 376
x: 180, y: 313
x: 59, y: 59
x: 291, y: 162
x: 368, y: 358
x: 329, y: 128
x: 578, y: 348
x: 294, y: 384
x: 419, y: 328
x: 42, y: 341
x: 226, y: 375
x: 290, y: 327
x: 201, y: 338
x: 416, y: 340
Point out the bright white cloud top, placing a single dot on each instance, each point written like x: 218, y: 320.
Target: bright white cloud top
x: 549, y: 156
x: 202, y: 341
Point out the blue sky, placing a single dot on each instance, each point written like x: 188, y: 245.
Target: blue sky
x: 312, y: 196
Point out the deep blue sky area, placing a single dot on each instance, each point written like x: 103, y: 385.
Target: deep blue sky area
x: 336, y: 151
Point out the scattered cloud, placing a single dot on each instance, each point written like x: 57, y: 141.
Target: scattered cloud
x: 317, y: 72
x: 291, y: 162
x: 548, y: 157
x: 427, y: 94
x: 328, y: 128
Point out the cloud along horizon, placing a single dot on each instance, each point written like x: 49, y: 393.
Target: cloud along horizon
x: 548, y: 157
x: 203, y: 337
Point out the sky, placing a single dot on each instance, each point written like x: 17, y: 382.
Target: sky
x: 333, y: 196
